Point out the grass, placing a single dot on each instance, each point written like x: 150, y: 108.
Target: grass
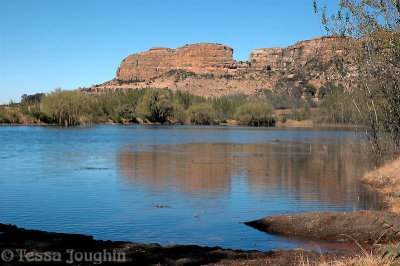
x: 365, y: 259
x: 386, y: 181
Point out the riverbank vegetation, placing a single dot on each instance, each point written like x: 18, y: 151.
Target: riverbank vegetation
x: 386, y: 181
x: 370, y: 71
x: 153, y: 105
x: 371, y: 76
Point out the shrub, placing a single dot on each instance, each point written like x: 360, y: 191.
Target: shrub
x: 225, y: 106
x: 156, y: 105
x: 311, y: 90
x: 255, y: 114
x: 178, y: 113
x: 201, y: 114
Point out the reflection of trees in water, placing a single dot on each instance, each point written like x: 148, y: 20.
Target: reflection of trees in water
x: 314, y: 172
x: 191, y: 167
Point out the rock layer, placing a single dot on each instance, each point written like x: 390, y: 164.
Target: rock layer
x: 321, y: 49
x: 209, y: 69
x: 201, y: 58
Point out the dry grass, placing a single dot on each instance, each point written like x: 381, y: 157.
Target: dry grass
x: 386, y: 181
x: 360, y: 260
x: 364, y: 259
x: 295, y: 123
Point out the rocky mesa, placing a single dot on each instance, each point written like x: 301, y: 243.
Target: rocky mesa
x: 209, y: 69
x: 201, y: 58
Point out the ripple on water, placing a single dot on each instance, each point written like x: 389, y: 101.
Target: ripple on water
x: 107, y: 181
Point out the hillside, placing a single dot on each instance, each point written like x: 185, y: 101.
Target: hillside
x: 209, y: 69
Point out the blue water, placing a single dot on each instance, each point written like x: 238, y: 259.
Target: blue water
x: 176, y: 184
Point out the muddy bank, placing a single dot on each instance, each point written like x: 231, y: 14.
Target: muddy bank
x: 361, y: 226
x: 37, y: 245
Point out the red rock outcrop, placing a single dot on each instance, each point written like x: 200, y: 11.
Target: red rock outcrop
x: 209, y: 69
x: 321, y: 49
x: 201, y: 58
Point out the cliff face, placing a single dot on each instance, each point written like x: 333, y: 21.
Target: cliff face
x: 201, y: 58
x: 143, y: 66
x: 321, y: 49
x: 210, y: 70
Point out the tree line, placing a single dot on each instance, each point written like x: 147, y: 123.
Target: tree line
x: 132, y: 106
x: 153, y: 105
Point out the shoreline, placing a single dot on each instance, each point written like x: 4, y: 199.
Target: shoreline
x: 385, y: 180
x: 361, y: 227
x: 26, y: 244
x: 232, y: 124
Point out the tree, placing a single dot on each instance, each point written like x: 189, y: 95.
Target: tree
x: 67, y: 107
x: 371, y: 75
x: 255, y: 114
x: 310, y: 90
x: 201, y: 114
x: 156, y: 105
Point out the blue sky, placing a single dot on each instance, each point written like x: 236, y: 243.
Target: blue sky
x: 45, y: 44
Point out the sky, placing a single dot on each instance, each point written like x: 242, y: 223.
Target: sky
x: 48, y: 44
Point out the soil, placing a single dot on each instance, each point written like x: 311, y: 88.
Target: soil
x: 36, y: 243
x: 360, y: 226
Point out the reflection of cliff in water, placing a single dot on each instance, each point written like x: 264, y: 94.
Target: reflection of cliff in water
x: 191, y: 167
x: 310, y: 171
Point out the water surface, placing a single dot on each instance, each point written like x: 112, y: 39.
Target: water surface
x: 176, y: 185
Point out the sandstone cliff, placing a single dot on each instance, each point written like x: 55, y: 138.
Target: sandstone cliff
x: 301, y: 53
x: 201, y: 58
x: 209, y: 69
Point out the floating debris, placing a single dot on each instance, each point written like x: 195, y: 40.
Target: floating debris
x: 162, y: 206
x: 94, y: 168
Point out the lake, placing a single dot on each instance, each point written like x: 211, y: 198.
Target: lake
x: 177, y: 184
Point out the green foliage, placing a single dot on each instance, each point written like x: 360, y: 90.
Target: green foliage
x: 118, y: 106
x: 67, y: 107
x: 374, y: 62
x: 284, y: 99
x: 298, y: 92
x: 178, y: 113
x: 255, y: 114
x: 127, y: 112
x: 9, y: 114
x: 156, y: 105
x: 164, y: 106
x: 31, y: 99
x: 4, y: 116
x: 186, y: 99
x: 201, y: 114
x: 391, y: 252
x: 335, y: 105
x: 226, y: 106
x: 311, y: 90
